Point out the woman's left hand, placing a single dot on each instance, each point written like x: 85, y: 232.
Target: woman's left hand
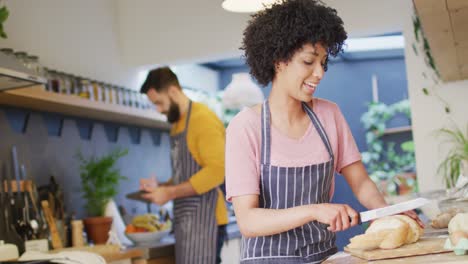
x: 414, y: 216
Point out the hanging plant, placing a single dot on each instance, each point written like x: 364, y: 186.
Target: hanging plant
x: 4, y: 13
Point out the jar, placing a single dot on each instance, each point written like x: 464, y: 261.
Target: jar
x: 65, y: 83
x: 77, y: 233
x: 9, y: 52
x: 21, y: 56
x: 34, y: 64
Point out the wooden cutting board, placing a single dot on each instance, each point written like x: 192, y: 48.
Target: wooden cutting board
x: 424, y: 246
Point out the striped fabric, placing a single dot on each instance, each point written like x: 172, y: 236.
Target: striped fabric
x: 194, y: 217
x: 286, y: 187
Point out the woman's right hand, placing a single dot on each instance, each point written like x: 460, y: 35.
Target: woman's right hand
x: 338, y: 217
x: 148, y: 184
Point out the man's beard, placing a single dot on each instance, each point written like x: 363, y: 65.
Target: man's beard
x: 173, y: 115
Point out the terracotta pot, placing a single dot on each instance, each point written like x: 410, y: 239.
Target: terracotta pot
x: 98, y: 228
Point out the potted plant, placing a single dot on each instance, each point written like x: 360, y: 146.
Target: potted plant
x: 99, y: 183
x: 456, y: 161
x: 391, y: 166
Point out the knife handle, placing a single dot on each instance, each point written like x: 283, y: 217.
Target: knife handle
x: 359, y: 220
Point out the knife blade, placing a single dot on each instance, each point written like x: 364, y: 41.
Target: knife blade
x: 392, y: 209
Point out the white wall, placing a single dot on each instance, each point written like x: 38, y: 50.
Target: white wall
x: 197, y: 77
x: 78, y: 37
x: 181, y: 31
x: 114, y: 41
x: 428, y: 114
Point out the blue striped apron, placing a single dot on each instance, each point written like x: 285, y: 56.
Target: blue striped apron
x: 285, y: 187
x: 195, y: 224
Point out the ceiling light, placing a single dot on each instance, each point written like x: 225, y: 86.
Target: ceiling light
x: 246, y: 6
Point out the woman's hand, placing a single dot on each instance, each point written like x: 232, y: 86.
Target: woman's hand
x: 414, y: 216
x: 339, y: 217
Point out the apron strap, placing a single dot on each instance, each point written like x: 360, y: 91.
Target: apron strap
x: 187, y: 119
x: 318, y: 126
x: 266, y: 131
x: 266, y: 135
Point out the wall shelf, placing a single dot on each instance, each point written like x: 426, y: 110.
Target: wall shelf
x: 395, y: 130
x: 37, y: 98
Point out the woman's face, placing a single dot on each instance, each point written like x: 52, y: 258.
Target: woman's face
x: 302, y: 74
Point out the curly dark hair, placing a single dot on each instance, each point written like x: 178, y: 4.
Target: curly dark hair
x: 276, y: 33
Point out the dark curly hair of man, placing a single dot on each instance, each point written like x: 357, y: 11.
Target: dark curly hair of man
x: 273, y: 35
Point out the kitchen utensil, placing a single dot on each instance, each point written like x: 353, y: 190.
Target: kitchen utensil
x: 392, y: 209
x: 56, y: 241
x: 9, y: 203
x: 147, y: 238
x: 32, y: 225
x: 137, y: 196
x: 20, y: 224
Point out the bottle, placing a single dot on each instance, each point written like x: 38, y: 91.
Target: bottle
x: 96, y: 91
x: 54, y: 85
x: 64, y: 83
x: 85, y: 89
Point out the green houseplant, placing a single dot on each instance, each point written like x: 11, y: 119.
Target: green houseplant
x: 99, y: 183
x: 391, y: 170
x: 457, y: 157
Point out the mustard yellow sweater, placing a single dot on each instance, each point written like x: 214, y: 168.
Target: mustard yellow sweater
x: 206, y: 140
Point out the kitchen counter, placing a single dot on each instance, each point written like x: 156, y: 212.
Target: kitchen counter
x: 443, y: 258
x: 165, y: 247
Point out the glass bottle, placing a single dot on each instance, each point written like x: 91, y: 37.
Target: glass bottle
x: 85, y: 91
x: 65, y: 85
x: 121, y: 95
x: 54, y: 81
x: 114, y: 93
x: 96, y: 91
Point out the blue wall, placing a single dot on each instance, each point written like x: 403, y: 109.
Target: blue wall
x: 349, y: 84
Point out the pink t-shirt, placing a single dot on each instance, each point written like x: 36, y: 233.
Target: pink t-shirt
x: 243, y: 147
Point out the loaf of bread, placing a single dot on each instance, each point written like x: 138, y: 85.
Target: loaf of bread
x: 388, y: 233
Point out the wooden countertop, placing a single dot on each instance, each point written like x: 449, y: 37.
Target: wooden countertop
x: 108, y: 252
x: 442, y: 258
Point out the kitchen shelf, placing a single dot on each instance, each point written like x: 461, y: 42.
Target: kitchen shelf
x: 395, y: 130
x: 38, y: 99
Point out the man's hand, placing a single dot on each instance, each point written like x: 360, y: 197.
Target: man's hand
x: 148, y: 184
x: 159, y: 195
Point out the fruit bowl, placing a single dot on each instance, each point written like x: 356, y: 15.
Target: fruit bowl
x: 147, y: 238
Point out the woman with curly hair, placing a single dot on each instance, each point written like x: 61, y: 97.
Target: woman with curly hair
x: 281, y: 156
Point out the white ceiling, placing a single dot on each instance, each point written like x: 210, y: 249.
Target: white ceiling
x: 186, y: 31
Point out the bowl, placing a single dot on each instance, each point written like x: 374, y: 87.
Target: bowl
x: 147, y: 238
